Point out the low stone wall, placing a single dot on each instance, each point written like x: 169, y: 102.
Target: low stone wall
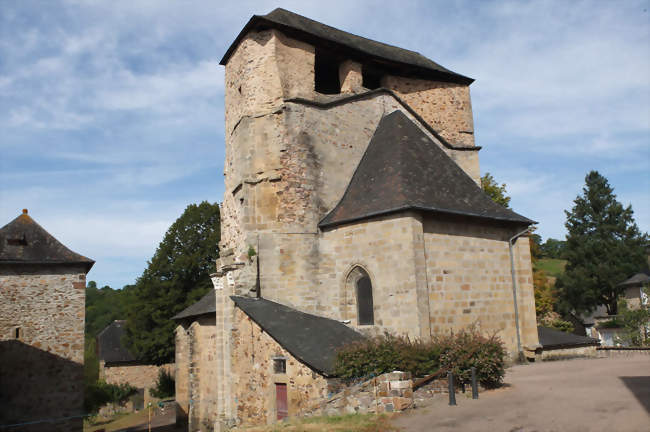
x: 568, y: 353
x: 621, y: 352
x: 391, y: 392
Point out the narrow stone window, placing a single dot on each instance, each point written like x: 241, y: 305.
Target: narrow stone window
x: 279, y: 365
x: 365, y: 310
x: 17, y: 333
x: 326, y: 73
x: 371, y: 77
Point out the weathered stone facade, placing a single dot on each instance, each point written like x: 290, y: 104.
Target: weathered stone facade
x: 42, y: 312
x: 291, y: 153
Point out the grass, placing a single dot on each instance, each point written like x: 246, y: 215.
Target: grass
x: 119, y: 421
x: 343, y: 423
x: 552, y: 267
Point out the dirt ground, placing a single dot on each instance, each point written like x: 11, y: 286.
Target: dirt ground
x: 572, y: 395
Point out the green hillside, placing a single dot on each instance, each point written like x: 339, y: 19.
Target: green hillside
x: 552, y: 267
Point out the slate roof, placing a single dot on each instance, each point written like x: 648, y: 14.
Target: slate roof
x: 360, y: 48
x: 109, y: 344
x: 403, y: 169
x: 204, y: 306
x: 554, y: 339
x: 638, y: 279
x: 311, y: 339
x: 23, y: 241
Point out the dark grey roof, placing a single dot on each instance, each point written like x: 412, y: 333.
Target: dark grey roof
x: 318, y: 34
x: 311, y: 339
x: 109, y: 344
x: 204, y: 306
x: 554, y: 339
x: 640, y: 278
x: 23, y: 241
x: 404, y: 169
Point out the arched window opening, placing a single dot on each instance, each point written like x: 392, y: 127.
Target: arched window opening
x: 365, y: 311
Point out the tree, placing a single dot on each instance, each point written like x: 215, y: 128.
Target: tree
x: 604, y: 247
x: 553, y: 248
x: 177, y: 276
x: 494, y: 191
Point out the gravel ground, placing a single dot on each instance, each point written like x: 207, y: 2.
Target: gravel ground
x: 582, y: 395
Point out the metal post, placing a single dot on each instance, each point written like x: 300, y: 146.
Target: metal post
x: 452, y: 391
x: 474, y: 384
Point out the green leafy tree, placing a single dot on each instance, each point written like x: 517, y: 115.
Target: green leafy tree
x: 553, y: 248
x: 604, y: 247
x: 177, y: 276
x: 494, y: 190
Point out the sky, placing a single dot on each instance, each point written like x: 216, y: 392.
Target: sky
x: 112, y: 112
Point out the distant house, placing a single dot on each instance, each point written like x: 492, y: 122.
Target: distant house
x: 42, y: 309
x: 600, y: 325
x: 117, y: 365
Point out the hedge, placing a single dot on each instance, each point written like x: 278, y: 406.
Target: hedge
x: 457, y: 352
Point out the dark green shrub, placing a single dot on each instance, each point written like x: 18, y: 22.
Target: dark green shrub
x: 165, y: 386
x: 458, y: 352
x: 100, y: 393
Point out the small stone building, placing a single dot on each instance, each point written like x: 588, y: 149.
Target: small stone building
x: 282, y: 360
x: 42, y: 311
x: 118, y: 366
x: 352, y: 193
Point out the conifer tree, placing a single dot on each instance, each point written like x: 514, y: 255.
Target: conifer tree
x: 604, y: 247
x: 177, y: 276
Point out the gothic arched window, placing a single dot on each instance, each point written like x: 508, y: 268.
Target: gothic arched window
x: 365, y: 313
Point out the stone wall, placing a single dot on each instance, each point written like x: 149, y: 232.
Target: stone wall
x: 182, y: 365
x: 568, y: 353
x: 447, y: 107
x: 140, y: 376
x: 41, y: 371
x: 390, y: 392
x: 196, y: 371
x: 469, y: 278
x: 254, y: 378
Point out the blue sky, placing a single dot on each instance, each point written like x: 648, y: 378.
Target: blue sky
x: 111, y: 113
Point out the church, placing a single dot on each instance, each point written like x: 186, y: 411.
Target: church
x: 352, y: 207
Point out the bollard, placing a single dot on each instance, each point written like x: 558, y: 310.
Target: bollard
x: 452, y: 391
x: 474, y: 384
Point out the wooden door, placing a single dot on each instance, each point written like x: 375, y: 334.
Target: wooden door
x: 281, y: 404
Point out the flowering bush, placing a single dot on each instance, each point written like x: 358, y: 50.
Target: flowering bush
x: 457, y: 352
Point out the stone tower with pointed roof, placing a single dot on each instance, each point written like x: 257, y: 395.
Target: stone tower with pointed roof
x: 42, y: 310
x: 352, y: 193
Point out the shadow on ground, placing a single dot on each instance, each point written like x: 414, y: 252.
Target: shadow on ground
x: 640, y: 388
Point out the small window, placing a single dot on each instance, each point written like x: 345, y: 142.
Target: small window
x: 364, y: 301
x: 17, y: 333
x: 19, y: 241
x: 326, y: 73
x: 279, y: 365
x: 371, y: 78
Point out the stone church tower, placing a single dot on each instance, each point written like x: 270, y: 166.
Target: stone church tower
x: 352, y: 193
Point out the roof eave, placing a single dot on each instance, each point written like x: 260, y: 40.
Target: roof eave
x: 87, y: 264
x: 261, y: 19
x: 322, y: 224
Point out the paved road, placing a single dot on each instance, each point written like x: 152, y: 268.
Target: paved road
x: 610, y: 395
